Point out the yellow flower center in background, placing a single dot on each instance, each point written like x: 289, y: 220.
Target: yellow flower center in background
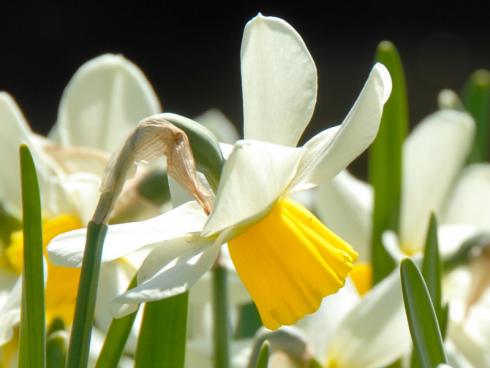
x: 62, y: 285
x: 362, y: 276
x: 289, y: 261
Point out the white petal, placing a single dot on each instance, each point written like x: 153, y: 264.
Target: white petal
x: 344, y: 204
x: 14, y: 130
x: 170, y: 269
x: 10, y: 313
x: 75, y: 193
x: 469, y: 199
x: 226, y: 150
x: 279, y: 82
x: 103, y: 102
x: 320, y: 327
x: 391, y: 244
x: 219, y: 125
x: 433, y: 156
x: 122, y: 239
x: 375, y: 332
x: 451, y: 237
x: 114, y: 280
x: 254, y: 177
x: 332, y: 150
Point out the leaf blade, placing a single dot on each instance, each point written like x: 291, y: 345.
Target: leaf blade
x: 116, y: 338
x: 422, y: 321
x: 476, y: 100
x: 32, y: 350
x: 385, y: 162
x: 162, y: 339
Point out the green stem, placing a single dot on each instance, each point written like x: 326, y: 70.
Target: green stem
x: 221, y: 320
x: 79, y: 347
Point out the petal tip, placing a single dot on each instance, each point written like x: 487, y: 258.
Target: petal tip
x: 385, y: 79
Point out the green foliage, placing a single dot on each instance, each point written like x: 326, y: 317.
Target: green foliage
x: 385, y: 161
x: 162, y: 339
x: 221, y: 318
x: 32, y: 350
x: 87, y: 291
x: 422, y: 320
x: 476, y: 100
x: 116, y: 338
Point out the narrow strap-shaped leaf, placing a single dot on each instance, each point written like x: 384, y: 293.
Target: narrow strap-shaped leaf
x: 87, y: 291
x: 385, y: 161
x: 32, y: 350
x: 432, y: 271
x: 116, y: 338
x: 162, y: 339
x: 221, y: 319
x: 422, y: 321
x: 432, y: 267
x: 476, y: 100
x: 263, y: 358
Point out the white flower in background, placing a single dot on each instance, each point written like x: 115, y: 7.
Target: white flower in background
x: 286, y: 279
x: 433, y: 180
x: 101, y: 101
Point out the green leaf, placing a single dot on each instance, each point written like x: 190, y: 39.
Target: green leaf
x: 116, y: 338
x: 221, y: 318
x: 263, y: 358
x: 205, y: 147
x: 476, y: 99
x: 432, y: 267
x: 32, y: 350
x: 385, y: 161
x: 163, y: 333
x: 87, y: 291
x: 422, y: 321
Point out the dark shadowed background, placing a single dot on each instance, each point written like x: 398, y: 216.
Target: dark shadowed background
x: 190, y: 52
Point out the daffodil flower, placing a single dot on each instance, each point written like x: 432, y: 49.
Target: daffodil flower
x: 287, y: 259
x: 105, y: 95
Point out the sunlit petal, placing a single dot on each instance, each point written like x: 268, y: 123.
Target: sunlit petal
x: 279, y: 81
x: 104, y: 100
x: 433, y: 156
x: 67, y: 249
x: 470, y: 198
x: 170, y: 269
x: 376, y: 326
x: 332, y: 150
x: 344, y: 204
x: 254, y: 177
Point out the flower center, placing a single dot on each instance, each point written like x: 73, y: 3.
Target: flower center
x: 289, y: 261
x: 62, y: 284
x: 362, y: 276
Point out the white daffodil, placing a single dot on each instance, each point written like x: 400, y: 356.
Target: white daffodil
x: 105, y: 95
x: 457, y: 196
x: 287, y: 259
